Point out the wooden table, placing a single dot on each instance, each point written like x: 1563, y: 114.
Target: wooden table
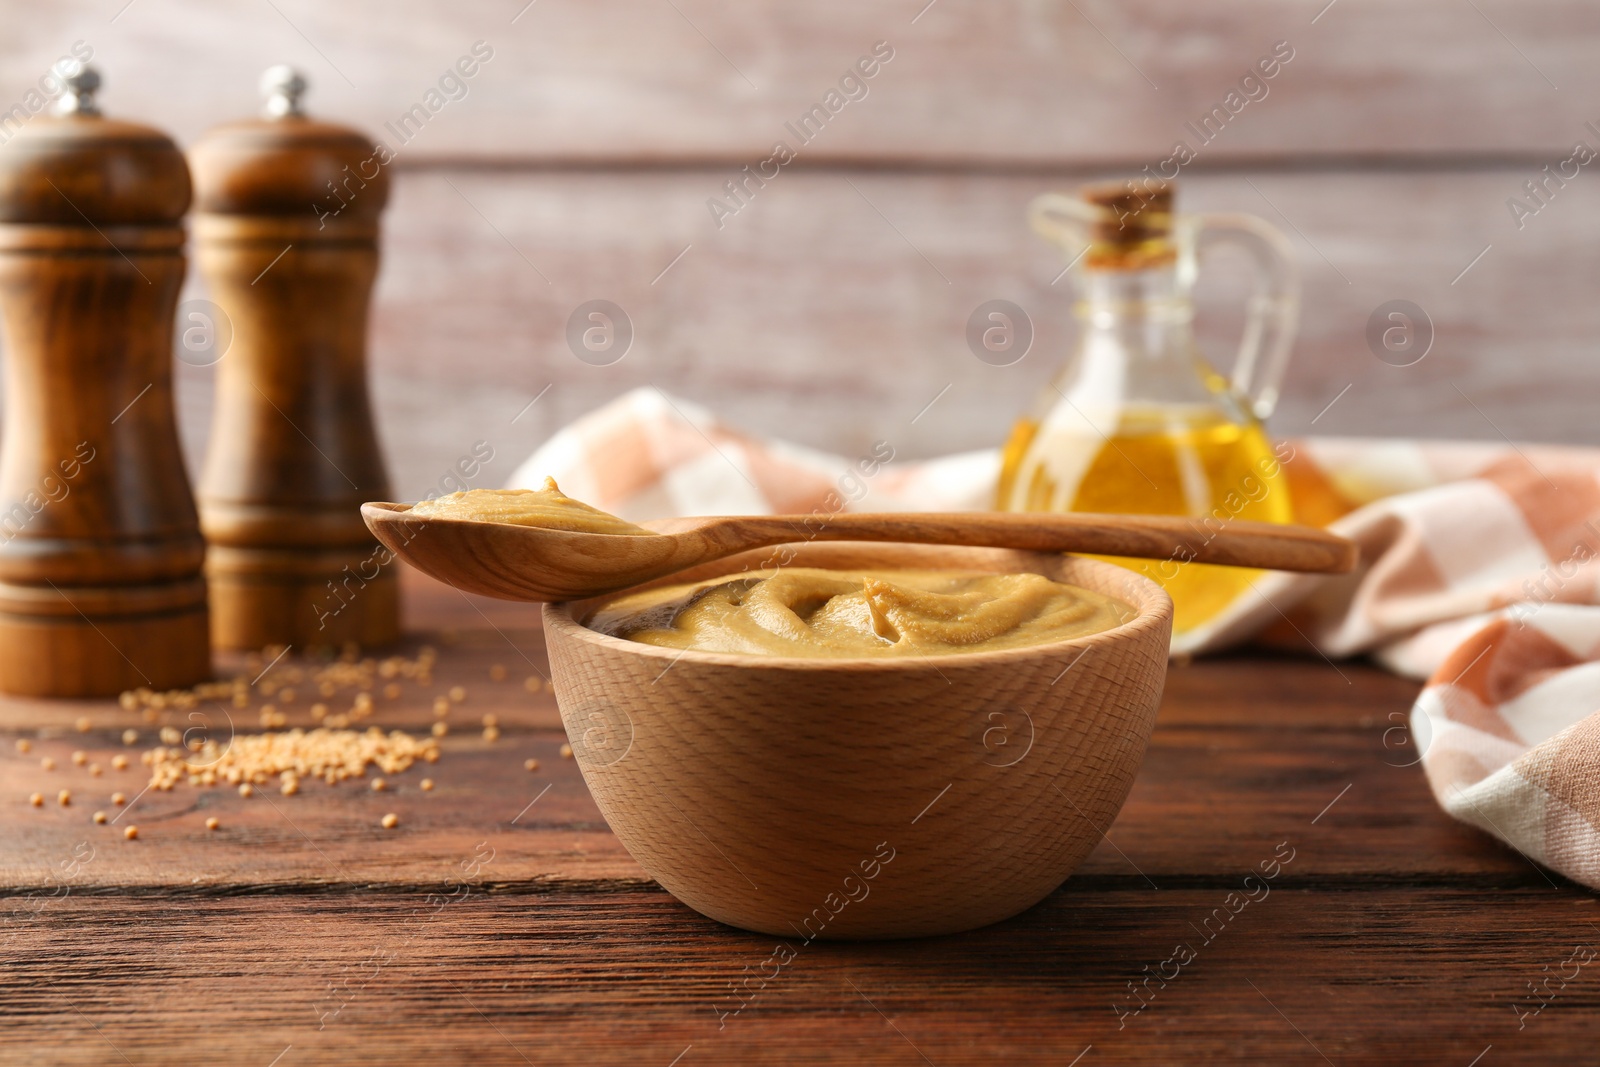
x: 501, y: 922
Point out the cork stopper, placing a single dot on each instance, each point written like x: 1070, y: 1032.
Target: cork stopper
x: 1131, y: 224
x: 288, y: 165
x: 76, y: 167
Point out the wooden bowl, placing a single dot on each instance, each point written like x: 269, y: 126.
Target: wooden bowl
x: 856, y: 799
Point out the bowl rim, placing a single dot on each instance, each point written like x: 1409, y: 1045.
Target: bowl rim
x: 1156, y: 610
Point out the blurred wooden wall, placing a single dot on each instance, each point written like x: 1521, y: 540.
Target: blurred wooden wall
x: 832, y: 308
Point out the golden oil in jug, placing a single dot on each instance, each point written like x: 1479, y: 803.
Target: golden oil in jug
x: 1139, y: 422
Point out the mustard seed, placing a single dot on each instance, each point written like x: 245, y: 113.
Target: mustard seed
x: 390, y: 821
x: 94, y: 770
x: 286, y: 696
x: 213, y: 822
x: 427, y: 785
x: 24, y: 746
x: 130, y: 737
x: 131, y: 833
x: 497, y: 673
x: 491, y: 733
x: 83, y: 724
x: 290, y: 787
x: 65, y: 796
x: 119, y: 762
x: 491, y: 720
x: 79, y: 758
x: 379, y: 785
x: 247, y: 790
x: 391, y: 691
x: 48, y: 764
x: 441, y: 706
x: 119, y: 799
x: 100, y: 817
x: 440, y: 729
x: 530, y: 764
x: 37, y: 800
x: 531, y: 683
x: 566, y: 751
x: 457, y: 694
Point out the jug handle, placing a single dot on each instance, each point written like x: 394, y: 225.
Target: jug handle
x: 1273, y: 311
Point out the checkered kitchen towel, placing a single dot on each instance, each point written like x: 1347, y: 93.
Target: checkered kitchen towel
x: 1480, y: 572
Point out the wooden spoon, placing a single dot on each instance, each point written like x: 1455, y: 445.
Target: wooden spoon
x: 533, y: 563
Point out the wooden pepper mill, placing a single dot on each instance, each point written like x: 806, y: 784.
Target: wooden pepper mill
x: 286, y: 229
x: 100, y: 548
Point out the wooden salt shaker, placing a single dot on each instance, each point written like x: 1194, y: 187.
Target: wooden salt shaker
x: 100, y: 548
x: 286, y: 227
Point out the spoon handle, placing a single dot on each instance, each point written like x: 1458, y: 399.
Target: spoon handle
x: 1236, y: 543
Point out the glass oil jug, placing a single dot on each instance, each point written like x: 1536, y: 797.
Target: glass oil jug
x: 1138, y: 422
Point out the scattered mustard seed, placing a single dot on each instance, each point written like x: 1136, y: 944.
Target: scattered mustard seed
x: 119, y: 799
x: 24, y: 746
x: 290, y: 787
x: 79, y: 758
x: 440, y: 729
x: 391, y: 691
x: 531, y: 683
x: 119, y: 762
x: 457, y: 694
x: 65, y: 796
x: 491, y: 733
x: 566, y: 751
x: 441, y: 706
x: 390, y: 821
x: 213, y: 822
x: 131, y: 833
x: 100, y: 817
x: 246, y: 789
x: 37, y: 800
x: 379, y: 785
x: 48, y: 764
x: 427, y: 785
x: 83, y: 724
x: 130, y: 737
x: 94, y: 770
x: 530, y: 764
x: 497, y: 673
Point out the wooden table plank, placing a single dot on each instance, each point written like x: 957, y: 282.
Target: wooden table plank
x: 631, y: 977
x: 481, y: 930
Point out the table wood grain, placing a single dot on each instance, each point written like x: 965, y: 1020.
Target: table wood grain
x: 500, y: 922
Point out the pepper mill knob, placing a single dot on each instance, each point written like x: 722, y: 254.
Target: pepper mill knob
x: 78, y: 99
x: 283, y: 86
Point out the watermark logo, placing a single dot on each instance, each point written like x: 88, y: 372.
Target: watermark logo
x: 1007, y: 736
x: 999, y: 333
x: 601, y: 734
x: 1407, y: 741
x: 599, y: 332
x: 205, y: 333
x: 1400, y: 333
x: 205, y: 742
